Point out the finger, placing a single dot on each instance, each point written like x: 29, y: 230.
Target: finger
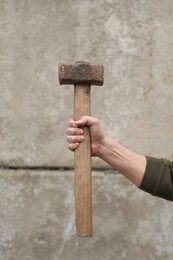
x: 72, y: 123
x: 86, y: 121
x: 74, y: 131
x: 72, y: 139
x: 72, y: 147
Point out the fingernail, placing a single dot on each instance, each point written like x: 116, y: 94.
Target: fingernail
x: 80, y: 131
x: 81, y: 138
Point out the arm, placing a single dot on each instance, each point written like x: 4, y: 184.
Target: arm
x: 152, y: 175
x: 132, y: 165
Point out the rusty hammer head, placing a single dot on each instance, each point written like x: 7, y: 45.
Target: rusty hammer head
x: 81, y: 73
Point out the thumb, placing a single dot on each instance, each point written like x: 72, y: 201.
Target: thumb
x: 86, y: 121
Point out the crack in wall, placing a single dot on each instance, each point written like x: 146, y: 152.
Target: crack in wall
x: 52, y: 168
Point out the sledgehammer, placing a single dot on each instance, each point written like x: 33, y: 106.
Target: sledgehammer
x: 82, y: 75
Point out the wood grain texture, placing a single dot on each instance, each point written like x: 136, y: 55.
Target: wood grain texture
x: 82, y: 166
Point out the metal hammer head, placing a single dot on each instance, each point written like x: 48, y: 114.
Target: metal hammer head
x: 81, y: 73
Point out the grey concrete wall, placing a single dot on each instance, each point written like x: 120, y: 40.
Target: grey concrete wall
x: 133, y: 40
x: 38, y: 220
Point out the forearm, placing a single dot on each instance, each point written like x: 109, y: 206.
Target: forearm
x: 150, y: 174
x: 132, y: 165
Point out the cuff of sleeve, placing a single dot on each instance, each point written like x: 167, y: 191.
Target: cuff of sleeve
x: 152, y: 176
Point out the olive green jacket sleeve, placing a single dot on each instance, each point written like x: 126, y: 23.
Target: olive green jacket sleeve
x: 158, y: 178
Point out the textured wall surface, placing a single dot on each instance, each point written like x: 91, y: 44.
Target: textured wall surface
x: 133, y: 40
x: 38, y: 220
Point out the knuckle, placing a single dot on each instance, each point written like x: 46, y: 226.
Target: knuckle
x: 71, y: 139
x: 70, y: 148
x: 71, y: 131
x: 72, y: 123
x: 68, y: 139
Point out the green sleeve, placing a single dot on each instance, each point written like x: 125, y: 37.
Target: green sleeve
x: 158, y: 178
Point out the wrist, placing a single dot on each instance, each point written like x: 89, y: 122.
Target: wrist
x: 102, y: 147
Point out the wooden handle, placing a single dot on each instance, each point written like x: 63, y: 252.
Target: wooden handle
x: 82, y: 166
